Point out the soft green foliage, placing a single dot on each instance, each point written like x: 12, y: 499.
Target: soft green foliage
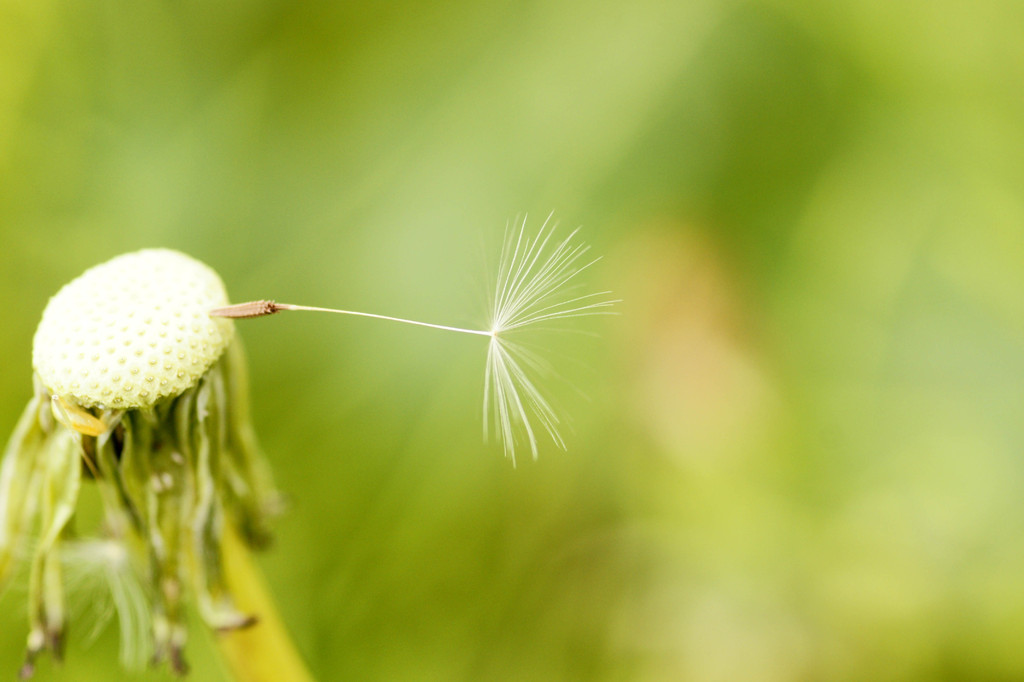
x: 802, y: 454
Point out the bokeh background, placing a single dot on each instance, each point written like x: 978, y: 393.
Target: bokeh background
x: 801, y: 452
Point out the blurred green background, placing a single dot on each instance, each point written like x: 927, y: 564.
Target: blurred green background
x: 801, y: 453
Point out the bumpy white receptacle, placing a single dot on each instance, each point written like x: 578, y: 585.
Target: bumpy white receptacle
x: 132, y: 331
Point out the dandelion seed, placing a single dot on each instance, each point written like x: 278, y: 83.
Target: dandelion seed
x: 536, y: 283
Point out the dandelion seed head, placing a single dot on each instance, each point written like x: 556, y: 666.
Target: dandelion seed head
x: 140, y: 392
x: 141, y: 315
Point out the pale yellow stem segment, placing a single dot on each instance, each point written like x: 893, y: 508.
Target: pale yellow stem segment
x: 263, y: 652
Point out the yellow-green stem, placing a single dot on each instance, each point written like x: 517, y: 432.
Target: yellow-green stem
x: 263, y: 652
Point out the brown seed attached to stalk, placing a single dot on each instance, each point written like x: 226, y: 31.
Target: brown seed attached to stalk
x: 250, y: 309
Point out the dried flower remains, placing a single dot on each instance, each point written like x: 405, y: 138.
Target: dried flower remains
x: 139, y: 390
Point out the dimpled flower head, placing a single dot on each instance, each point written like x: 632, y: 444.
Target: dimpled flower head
x: 142, y: 393
x: 132, y: 331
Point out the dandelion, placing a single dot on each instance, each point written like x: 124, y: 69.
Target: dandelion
x: 536, y: 283
x: 140, y: 391
x: 140, y: 388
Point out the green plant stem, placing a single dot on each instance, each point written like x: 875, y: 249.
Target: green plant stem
x: 263, y: 652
